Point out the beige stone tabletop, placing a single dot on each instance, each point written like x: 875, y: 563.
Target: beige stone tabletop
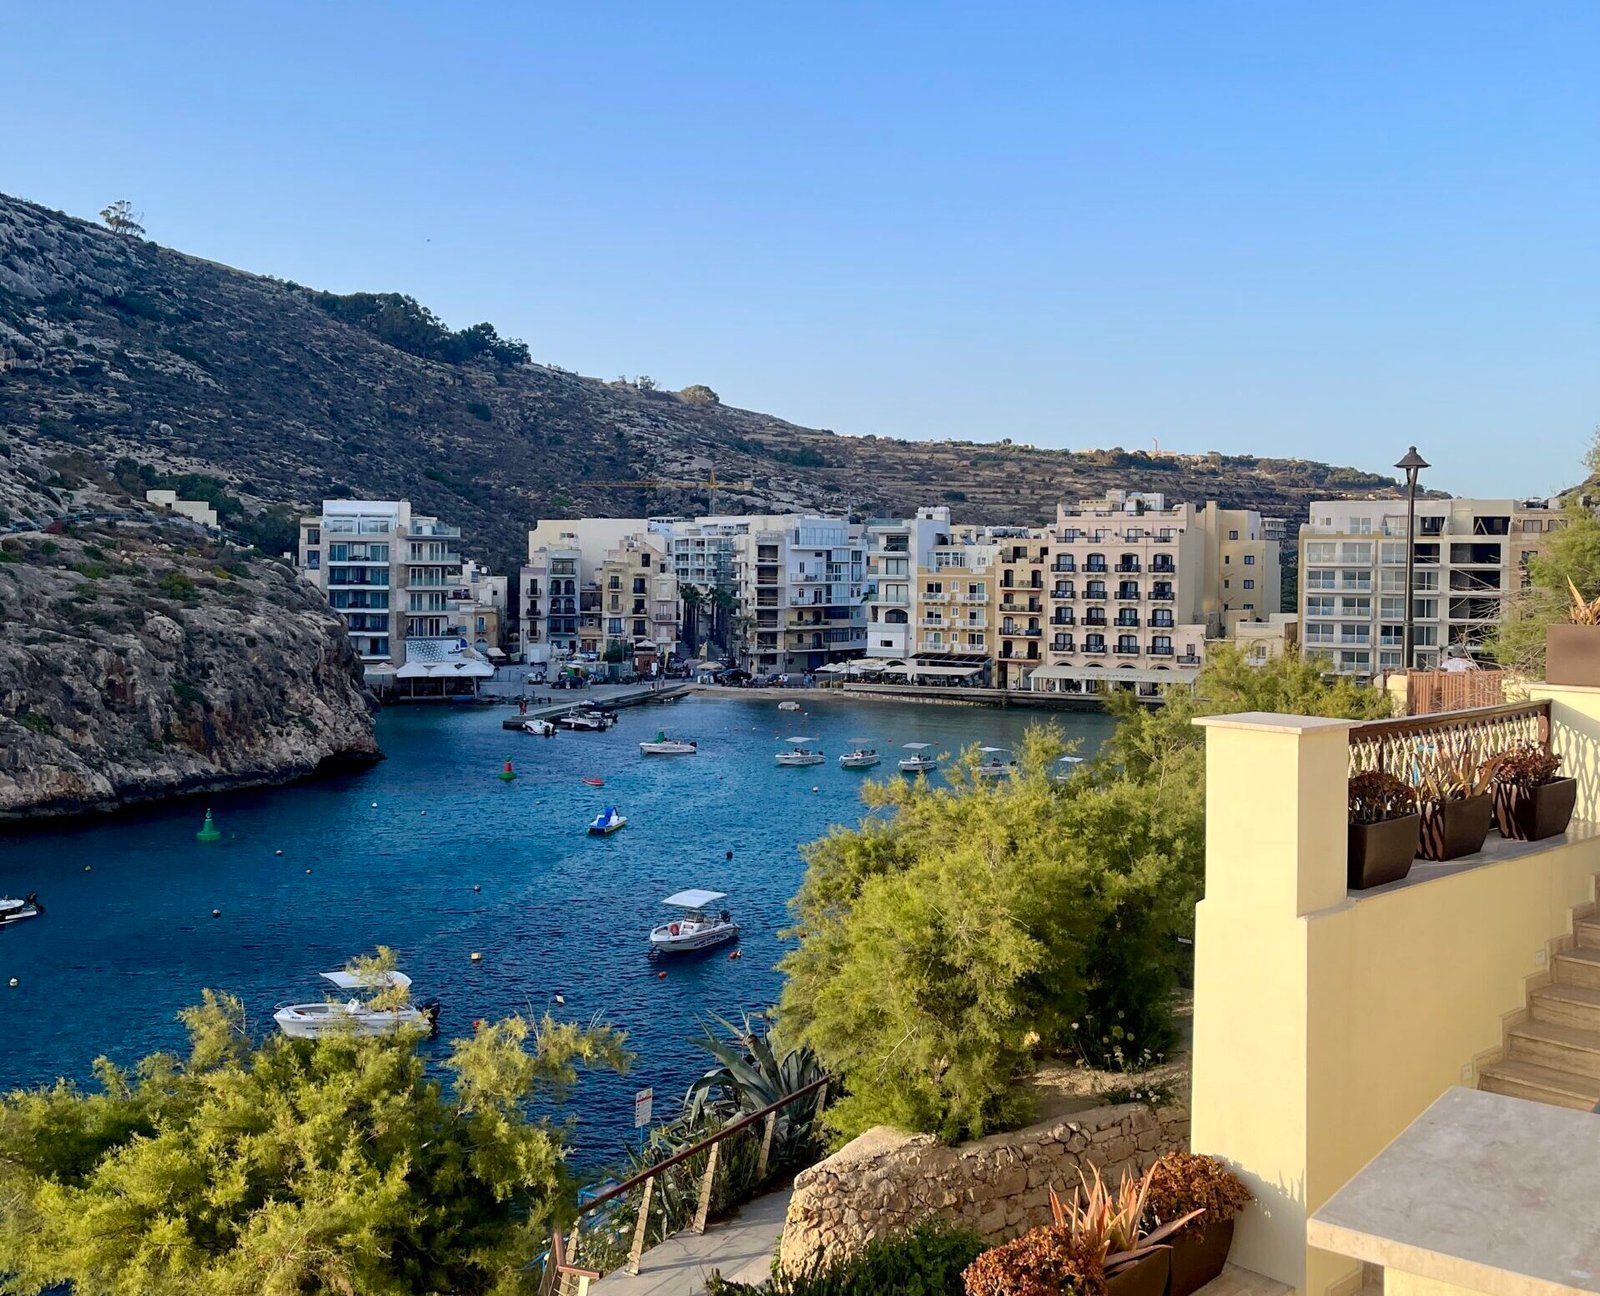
x: 1494, y: 1194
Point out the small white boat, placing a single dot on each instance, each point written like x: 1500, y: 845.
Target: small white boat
x: 700, y: 927
x: 661, y: 745
x: 607, y: 822
x: 357, y: 1016
x: 587, y: 721
x: 919, y: 762
x: 800, y: 754
x: 539, y: 728
x: 860, y: 756
x: 788, y: 706
x: 992, y: 767
x: 13, y: 910
x: 1065, y: 768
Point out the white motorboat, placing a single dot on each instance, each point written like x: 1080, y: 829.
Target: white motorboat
x: 788, y: 706
x: 357, y: 1016
x: 860, y: 756
x: 1065, y: 767
x: 800, y: 754
x: 699, y: 927
x: 607, y: 822
x: 661, y: 745
x: 587, y: 721
x: 13, y: 910
x: 992, y: 767
x: 539, y: 728
x: 919, y: 762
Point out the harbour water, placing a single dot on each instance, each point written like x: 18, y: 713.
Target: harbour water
x: 393, y: 855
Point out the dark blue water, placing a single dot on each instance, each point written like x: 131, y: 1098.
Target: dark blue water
x: 394, y: 854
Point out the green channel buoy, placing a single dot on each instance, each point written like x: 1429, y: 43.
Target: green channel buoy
x: 507, y: 774
x: 208, y: 831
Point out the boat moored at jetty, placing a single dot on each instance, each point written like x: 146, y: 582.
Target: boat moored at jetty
x: 357, y: 1016
x: 13, y: 910
x: 587, y: 720
x: 919, y: 762
x: 701, y: 926
x: 539, y: 728
x: 661, y: 745
x: 799, y: 753
x: 607, y: 822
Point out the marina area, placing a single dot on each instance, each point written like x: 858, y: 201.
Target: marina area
x: 434, y: 853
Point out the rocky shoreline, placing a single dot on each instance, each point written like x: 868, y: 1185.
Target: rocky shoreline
x: 142, y: 658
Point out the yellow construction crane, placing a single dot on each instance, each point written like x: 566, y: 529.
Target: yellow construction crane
x: 711, y: 486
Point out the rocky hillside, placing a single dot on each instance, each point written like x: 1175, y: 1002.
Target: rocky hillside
x: 139, y: 659
x: 127, y: 350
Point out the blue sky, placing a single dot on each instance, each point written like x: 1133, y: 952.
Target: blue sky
x: 1321, y: 230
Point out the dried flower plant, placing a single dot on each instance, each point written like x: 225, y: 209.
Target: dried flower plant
x: 1526, y: 766
x: 1377, y: 795
x: 1182, y: 1182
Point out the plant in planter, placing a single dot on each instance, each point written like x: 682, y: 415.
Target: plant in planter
x: 1530, y: 802
x: 1137, y: 1260
x: 1572, y: 647
x: 1046, y: 1261
x: 1453, y: 795
x: 1181, y: 1183
x: 1385, y: 829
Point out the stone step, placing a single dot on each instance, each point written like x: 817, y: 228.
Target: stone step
x: 1540, y: 1084
x: 1587, y: 930
x: 1562, y: 1048
x: 1579, y: 966
x: 1567, y: 1005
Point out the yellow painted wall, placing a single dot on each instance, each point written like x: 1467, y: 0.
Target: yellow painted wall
x: 1325, y: 1022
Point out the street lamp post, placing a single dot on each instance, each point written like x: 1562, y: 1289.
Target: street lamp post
x: 1412, y: 464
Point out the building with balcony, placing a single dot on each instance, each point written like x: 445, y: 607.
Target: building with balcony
x: 1469, y: 558
x: 392, y: 575
x: 1129, y: 595
x: 896, y: 552
x: 956, y: 592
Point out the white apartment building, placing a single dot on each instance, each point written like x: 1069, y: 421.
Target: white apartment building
x: 800, y: 582
x: 395, y: 578
x: 1469, y: 556
x: 897, y: 550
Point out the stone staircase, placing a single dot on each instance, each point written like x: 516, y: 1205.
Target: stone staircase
x: 1553, y: 1054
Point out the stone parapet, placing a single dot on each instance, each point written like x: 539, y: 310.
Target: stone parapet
x: 886, y: 1180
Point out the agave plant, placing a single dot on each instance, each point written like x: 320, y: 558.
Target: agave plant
x: 1449, y: 770
x: 1583, y: 611
x: 752, y: 1076
x: 1112, y: 1221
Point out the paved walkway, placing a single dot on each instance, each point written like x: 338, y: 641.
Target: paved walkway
x: 741, y: 1247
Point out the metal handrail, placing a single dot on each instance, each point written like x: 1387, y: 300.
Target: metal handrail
x: 1410, y: 726
x: 561, y: 1266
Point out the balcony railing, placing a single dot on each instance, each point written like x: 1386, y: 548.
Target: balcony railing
x: 1128, y: 596
x: 1159, y: 651
x: 1125, y: 652
x: 1398, y: 745
x: 1189, y: 659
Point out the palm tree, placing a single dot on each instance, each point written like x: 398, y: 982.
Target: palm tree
x: 693, y: 599
x: 722, y: 607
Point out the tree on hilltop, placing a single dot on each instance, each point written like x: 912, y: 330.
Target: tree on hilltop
x: 120, y: 218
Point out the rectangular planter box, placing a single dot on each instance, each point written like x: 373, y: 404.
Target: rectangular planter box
x: 1451, y: 829
x: 1382, y: 852
x: 1572, y: 655
x: 1532, y: 816
x: 1147, y: 1277
x: 1199, y: 1255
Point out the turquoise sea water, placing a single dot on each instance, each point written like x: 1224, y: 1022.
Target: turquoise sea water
x: 394, y: 854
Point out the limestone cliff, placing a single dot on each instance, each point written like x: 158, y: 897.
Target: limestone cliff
x: 141, y: 659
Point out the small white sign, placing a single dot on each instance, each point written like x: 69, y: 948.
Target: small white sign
x: 643, y: 1101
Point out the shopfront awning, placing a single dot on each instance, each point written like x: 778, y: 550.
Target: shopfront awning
x: 1116, y: 674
